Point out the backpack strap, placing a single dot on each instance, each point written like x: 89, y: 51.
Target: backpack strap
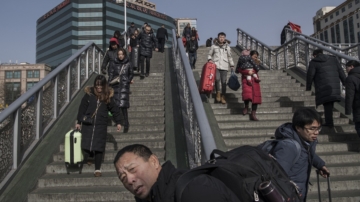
x: 185, y: 178
x: 298, y: 149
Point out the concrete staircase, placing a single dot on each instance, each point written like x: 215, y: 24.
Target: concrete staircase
x: 147, y: 126
x: 281, y: 95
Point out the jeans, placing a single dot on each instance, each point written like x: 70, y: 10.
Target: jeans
x: 328, y: 112
x: 97, y: 156
x: 192, y: 59
x: 253, y: 106
x: 142, y: 58
x: 161, y: 42
x: 357, y: 128
x: 221, y: 76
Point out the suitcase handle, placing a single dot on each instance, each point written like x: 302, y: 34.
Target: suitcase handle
x: 328, y: 184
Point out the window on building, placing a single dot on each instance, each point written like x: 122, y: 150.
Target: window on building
x: 326, y: 19
x: 337, y: 13
x: 322, y: 36
x: 29, y: 85
x: 33, y: 74
x: 332, y: 32
x: 13, y: 91
x: 337, y: 29
x: 358, y: 25
x: 351, y: 30
x: 331, y: 16
x: 346, y: 31
x: 349, y: 5
x: 318, y: 25
x: 343, y: 9
x: 357, y: 15
x: 13, y: 74
x: 326, y: 38
x: 358, y: 37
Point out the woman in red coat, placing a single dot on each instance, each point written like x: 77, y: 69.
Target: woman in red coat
x: 250, y: 91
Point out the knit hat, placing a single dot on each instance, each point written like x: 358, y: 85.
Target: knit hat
x: 114, y: 41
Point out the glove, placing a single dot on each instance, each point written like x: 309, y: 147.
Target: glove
x: 103, y: 71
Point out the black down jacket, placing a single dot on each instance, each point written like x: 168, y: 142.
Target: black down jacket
x: 326, y: 73
x: 94, y: 136
x: 147, y: 43
x: 122, y: 89
x: 110, y: 56
x: 352, y: 99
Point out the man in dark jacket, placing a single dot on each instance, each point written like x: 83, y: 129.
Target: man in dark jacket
x: 283, y: 34
x: 209, y: 42
x: 187, y: 32
x: 326, y: 73
x: 352, y: 98
x: 162, y: 37
x: 191, y: 49
x: 141, y: 173
x: 147, y: 42
x: 131, y: 29
x: 304, y: 129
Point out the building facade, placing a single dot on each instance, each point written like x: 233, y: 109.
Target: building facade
x: 182, y: 22
x: 74, y: 23
x: 339, y: 24
x: 16, y: 79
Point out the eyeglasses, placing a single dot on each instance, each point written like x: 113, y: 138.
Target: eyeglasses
x: 313, y: 130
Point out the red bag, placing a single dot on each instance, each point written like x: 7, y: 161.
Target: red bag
x: 207, y: 80
x: 295, y: 27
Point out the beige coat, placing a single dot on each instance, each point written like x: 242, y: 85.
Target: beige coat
x: 221, y: 55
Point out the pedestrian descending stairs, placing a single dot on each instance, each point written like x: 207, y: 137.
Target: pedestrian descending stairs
x: 281, y: 95
x: 147, y: 126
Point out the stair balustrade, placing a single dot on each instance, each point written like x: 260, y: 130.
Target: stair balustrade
x: 26, y: 121
x: 199, y: 137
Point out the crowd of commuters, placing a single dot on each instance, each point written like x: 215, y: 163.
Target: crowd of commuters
x: 140, y: 170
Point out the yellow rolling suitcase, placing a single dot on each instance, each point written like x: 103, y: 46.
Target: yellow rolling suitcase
x: 73, y: 151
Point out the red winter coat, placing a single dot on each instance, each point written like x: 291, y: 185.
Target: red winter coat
x: 252, y: 93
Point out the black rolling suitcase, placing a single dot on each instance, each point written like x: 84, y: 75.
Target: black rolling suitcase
x: 328, y: 184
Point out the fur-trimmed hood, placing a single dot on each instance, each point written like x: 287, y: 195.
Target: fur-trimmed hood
x: 90, y: 91
x: 216, y: 41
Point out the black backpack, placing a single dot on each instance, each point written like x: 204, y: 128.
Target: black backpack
x: 242, y: 170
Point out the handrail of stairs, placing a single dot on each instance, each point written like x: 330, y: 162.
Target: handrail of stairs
x: 26, y: 121
x: 351, y: 49
x: 199, y: 137
x: 296, y: 52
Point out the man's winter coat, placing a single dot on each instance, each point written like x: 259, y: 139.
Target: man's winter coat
x: 192, y: 46
x: 283, y: 34
x: 131, y: 30
x: 122, y: 89
x: 162, y: 33
x: 110, y: 56
x: 352, y: 99
x: 147, y: 43
x: 326, y: 73
x: 94, y: 136
x: 253, y: 92
x: 285, y: 152
x: 202, y: 188
x: 187, y: 32
x: 208, y: 43
x: 221, y: 55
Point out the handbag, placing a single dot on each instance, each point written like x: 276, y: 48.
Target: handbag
x: 233, y: 82
x: 89, y: 120
x: 116, y: 80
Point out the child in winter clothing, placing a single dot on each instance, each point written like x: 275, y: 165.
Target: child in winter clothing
x: 246, y: 62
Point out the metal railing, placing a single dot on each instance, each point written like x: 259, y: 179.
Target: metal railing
x: 350, y: 49
x: 296, y: 52
x: 29, y: 117
x: 199, y: 137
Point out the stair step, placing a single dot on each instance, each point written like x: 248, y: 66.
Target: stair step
x: 338, y: 196
x: 262, y: 111
x: 262, y: 117
x: 268, y: 99
x: 146, y: 108
x: 338, y: 183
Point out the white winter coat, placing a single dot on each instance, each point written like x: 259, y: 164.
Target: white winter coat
x: 221, y: 55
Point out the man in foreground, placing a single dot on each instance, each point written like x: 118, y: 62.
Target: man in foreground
x: 141, y: 173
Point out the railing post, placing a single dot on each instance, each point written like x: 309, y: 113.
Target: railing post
x: 262, y: 54
x: 16, y: 138
x: 296, y: 47
x: 68, y: 83
x: 93, y: 59
x: 358, y: 51
x: 307, y: 56
x: 285, y: 57
x: 56, y: 84
x: 39, y: 115
x: 99, y: 60
x: 79, y: 72
x: 270, y: 59
x: 87, y: 64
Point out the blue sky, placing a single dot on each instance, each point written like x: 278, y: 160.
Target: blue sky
x: 264, y: 19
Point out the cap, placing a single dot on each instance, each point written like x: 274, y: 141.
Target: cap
x: 114, y: 40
